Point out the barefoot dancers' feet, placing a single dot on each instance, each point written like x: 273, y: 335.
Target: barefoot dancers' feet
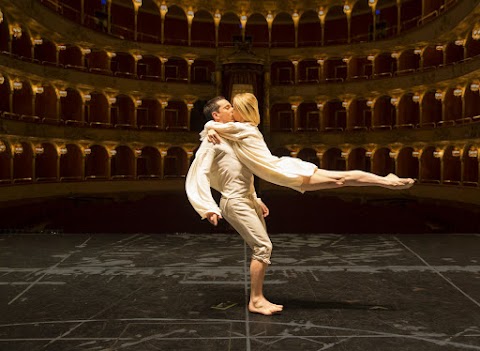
x: 399, y: 183
x: 265, y: 307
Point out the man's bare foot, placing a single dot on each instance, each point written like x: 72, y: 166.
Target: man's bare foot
x: 399, y: 183
x: 263, y: 306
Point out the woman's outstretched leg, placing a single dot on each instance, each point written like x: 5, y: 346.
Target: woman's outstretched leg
x: 324, y: 179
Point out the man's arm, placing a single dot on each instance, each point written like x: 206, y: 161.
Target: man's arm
x: 197, y: 185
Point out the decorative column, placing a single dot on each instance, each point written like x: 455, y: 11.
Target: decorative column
x: 440, y: 96
x: 163, y: 154
x: 163, y: 104
x: 269, y: 23
x: 321, y: 15
x: 295, y: 70
x: 137, y: 152
x: 109, y: 16
x: 216, y: 20
x: 57, y: 54
x: 136, y: 6
x: 394, y: 101
x: 189, y: 101
x: 86, y: 99
x: 321, y: 120
x: 373, y: 5
x: 137, y: 103
x: 371, y: 58
x: 82, y: 11
x: 190, y: 15
x: 346, y: 105
x: 137, y: 58
x: 347, y: 9
x: 190, y: 62
x: 399, y: 16
x: 418, y: 99
x: 295, y: 101
x: 345, y: 152
x: 111, y: 101
x: 163, y: 12
x: 321, y: 71
x: 243, y: 22
x: 296, y: 17
x: 419, y: 51
x: 163, y: 60
x: 346, y: 60
x: 396, y: 55
x: 442, y: 48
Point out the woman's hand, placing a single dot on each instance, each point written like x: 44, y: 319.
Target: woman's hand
x: 213, y: 136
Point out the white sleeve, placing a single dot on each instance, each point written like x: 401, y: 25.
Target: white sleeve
x: 234, y: 131
x: 197, y: 184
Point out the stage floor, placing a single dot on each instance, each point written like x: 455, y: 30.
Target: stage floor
x: 189, y: 292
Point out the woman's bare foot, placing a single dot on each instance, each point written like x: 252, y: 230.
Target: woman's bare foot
x: 263, y: 306
x: 399, y: 183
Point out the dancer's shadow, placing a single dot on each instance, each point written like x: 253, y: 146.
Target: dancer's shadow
x: 335, y: 305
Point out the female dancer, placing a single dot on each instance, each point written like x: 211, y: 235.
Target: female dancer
x: 252, y: 151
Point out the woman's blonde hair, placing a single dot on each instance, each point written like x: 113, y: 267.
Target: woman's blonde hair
x: 247, y: 105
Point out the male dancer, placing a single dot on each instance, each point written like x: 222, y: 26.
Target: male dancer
x: 217, y: 166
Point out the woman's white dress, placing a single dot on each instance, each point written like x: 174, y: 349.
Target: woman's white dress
x: 252, y: 151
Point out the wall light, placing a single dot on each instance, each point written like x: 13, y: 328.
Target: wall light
x: 87, y: 97
x: 416, y: 154
x: 473, y: 153
x: 62, y: 93
x: 112, y: 100
x: 439, y: 95
x: 474, y: 87
x: 456, y: 153
x: 63, y: 151
x: 39, y: 150
x: 113, y: 152
x: 18, y: 149
x: 457, y: 92
x: 3, y: 147
x: 87, y: 151
x: 39, y: 90
x: 392, y: 154
x: 2, y: 80
x: 17, y: 85
x: 37, y: 41
x: 416, y: 97
x: 61, y: 47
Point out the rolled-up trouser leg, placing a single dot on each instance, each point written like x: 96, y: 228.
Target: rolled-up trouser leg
x: 245, y: 216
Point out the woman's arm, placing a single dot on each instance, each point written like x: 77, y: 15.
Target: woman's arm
x: 235, y: 131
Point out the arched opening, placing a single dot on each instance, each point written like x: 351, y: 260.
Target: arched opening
x: 5, y: 93
x: 454, y: 53
x: 175, y: 163
x: 71, y: 163
x: 308, y: 71
x: 230, y: 30
x: 384, y: 113
x: 470, y: 166
x: 383, y: 163
x: 361, y: 23
x: 176, y: 26
x: 430, y: 161
x: 176, y: 115
x: 46, y: 105
x: 472, y: 46
x: 358, y: 160
x: 148, y: 21
x: 5, y: 162
x: 282, y: 118
x: 22, y: 98
x: 123, y: 20
x: 149, y: 163
x: 452, y: 166
x: 453, y: 106
x: 98, y: 108
x: 333, y: 160
x: 123, y: 112
x: 432, y: 58
x: 256, y: 30
x: 46, y: 53
x: 176, y: 70
x: 335, y: 70
x: 408, y: 112
x: 46, y: 163
x: 22, y: 46
x: 360, y: 68
x: 309, y: 29
x: 71, y: 107
x: 407, y: 163
x: 283, y: 31
x: 123, y: 65
x: 123, y: 163
x: 203, y: 29
x: 385, y: 65
x: 472, y: 103
x: 149, y: 114
x: 149, y: 67
x: 408, y: 62
x: 203, y: 71
x: 336, y: 26
x: 411, y: 12
x: 309, y: 118
x: 360, y: 115
x: 335, y: 116
x: 22, y: 163
x: 72, y: 57
x: 96, y: 163
x: 98, y: 62
x: 282, y: 72
x: 5, y: 39
x: 431, y: 110
x: 309, y: 155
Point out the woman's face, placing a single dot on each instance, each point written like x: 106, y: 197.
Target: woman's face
x: 237, y: 116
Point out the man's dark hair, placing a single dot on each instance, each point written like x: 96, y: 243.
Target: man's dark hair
x: 212, y: 106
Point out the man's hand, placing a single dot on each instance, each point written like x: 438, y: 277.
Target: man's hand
x: 213, y: 218
x: 264, y: 207
x: 213, y: 136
